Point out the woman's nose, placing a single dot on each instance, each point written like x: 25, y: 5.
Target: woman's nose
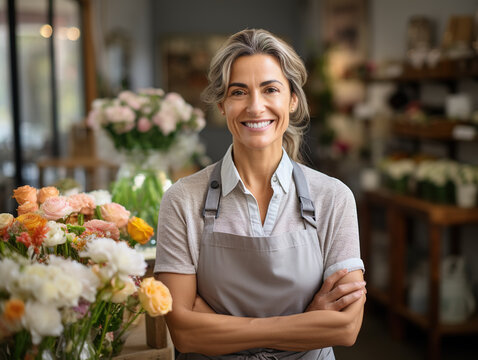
x: 255, y: 104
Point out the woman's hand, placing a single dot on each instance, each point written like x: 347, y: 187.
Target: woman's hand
x: 337, y: 296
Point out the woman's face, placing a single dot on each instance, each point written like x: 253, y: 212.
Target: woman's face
x: 258, y: 103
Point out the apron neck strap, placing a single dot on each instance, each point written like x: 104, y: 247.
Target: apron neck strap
x: 211, y: 206
x: 307, y: 209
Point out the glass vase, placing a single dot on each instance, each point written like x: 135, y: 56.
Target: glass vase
x: 141, y: 182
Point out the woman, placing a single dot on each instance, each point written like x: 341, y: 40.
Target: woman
x: 245, y: 244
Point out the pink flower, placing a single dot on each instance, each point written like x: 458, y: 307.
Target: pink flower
x: 55, y: 208
x: 82, y: 203
x: 103, y: 228
x: 115, y: 213
x: 200, y: 120
x: 120, y: 114
x: 144, y: 125
x: 166, y: 118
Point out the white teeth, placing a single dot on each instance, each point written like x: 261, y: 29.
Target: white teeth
x: 258, y: 125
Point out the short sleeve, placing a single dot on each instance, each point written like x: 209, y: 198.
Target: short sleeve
x: 342, y: 245
x: 173, y: 253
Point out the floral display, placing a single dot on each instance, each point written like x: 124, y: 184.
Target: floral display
x: 146, y: 120
x: 71, y: 283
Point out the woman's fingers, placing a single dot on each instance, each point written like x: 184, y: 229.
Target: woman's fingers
x: 344, y: 289
x: 346, y: 300
x: 330, y: 282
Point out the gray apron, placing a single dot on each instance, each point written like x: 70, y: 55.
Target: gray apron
x: 260, y: 276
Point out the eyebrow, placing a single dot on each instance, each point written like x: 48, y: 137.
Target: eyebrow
x: 264, y: 83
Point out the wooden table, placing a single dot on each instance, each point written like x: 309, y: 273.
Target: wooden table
x: 437, y: 218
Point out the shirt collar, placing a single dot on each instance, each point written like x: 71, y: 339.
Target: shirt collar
x: 230, y: 176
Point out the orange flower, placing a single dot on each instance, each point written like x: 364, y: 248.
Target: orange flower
x: 14, y: 310
x: 82, y: 203
x: 47, y: 192
x: 115, y: 213
x: 24, y: 194
x: 139, y: 230
x: 27, y: 207
x: 32, y: 221
x: 155, y: 297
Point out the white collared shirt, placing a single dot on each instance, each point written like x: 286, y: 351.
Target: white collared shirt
x: 280, y: 183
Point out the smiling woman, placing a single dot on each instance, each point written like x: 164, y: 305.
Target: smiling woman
x: 276, y: 273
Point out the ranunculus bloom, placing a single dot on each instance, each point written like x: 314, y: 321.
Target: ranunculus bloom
x: 55, y: 234
x: 25, y: 193
x: 121, y: 292
x: 13, y: 310
x: 42, y: 320
x: 144, y: 125
x: 155, y: 297
x: 55, y: 208
x: 32, y: 221
x: 103, y: 228
x: 6, y: 220
x: 27, y: 207
x: 139, y: 230
x: 82, y: 203
x: 47, y: 192
x: 115, y: 213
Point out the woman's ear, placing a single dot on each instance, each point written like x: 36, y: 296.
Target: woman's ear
x: 294, y: 101
x: 220, y: 106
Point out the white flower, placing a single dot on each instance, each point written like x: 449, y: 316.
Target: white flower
x: 116, y: 259
x: 400, y: 168
x: 41, y: 320
x: 120, y: 114
x: 125, y: 289
x: 86, y: 277
x: 166, y: 118
x: 10, y: 271
x: 132, y: 100
x: 100, y: 197
x: 56, y: 235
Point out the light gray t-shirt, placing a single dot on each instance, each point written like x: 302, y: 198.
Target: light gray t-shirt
x: 180, y: 224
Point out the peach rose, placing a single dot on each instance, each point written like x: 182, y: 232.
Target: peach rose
x: 14, y: 310
x: 27, y: 207
x: 55, y: 208
x: 139, y: 230
x: 25, y: 193
x: 103, y: 228
x: 115, y: 213
x: 31, y: 221
x: 6, y: 220
x: 47, y: 192
x: 155, y: 297
x: 82, y: 203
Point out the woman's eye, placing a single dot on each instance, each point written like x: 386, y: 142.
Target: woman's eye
x: 237, y: 92
x: 271, y: 90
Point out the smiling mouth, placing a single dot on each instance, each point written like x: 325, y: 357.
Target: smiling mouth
x: 257, y: 124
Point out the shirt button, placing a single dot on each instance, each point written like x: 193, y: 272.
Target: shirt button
x: 274, y: 179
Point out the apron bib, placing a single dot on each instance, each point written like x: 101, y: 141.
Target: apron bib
x: 260, y: 276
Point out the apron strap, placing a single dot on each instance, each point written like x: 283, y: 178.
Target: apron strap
x: 307, y: 209
x: 211, y: 206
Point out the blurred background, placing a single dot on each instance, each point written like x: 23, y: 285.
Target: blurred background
x: 393, y: 93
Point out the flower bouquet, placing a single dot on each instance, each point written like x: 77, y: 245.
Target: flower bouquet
x: 71, y: 282
x: 155, y: 133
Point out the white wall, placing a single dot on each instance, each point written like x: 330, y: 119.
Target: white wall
x: 389, y: 20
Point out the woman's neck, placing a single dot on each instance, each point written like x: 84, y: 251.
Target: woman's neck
x: 256, y: 167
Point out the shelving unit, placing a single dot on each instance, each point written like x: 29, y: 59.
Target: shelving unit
x: 399, y: 209
x: 437, y: 217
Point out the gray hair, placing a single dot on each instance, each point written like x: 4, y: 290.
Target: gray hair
x: 258, y: 41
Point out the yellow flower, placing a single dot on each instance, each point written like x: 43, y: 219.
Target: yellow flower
x: 155, y: 297
x: 32, y: 221
x: 139, y: 230
x: 5, y: 221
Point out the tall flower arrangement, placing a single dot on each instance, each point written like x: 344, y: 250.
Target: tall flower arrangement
x: 156, y: 133
x: 71, y: 281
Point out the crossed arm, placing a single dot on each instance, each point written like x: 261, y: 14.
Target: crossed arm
x: 334, y: 317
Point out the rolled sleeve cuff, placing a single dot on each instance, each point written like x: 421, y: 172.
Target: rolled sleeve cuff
x: 159, y: 268
x: 349, y: 264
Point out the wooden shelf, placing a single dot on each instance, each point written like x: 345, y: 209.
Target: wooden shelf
x: 438, y: 129
x: 437, y: 213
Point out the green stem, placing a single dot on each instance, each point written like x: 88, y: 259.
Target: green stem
x: 105, y: 328
x: 128, y: 324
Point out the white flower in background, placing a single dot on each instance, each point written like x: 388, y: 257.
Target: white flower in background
x: 166, y: 118
x: 182, y: 108
x: 41, y: 320
x: 10, y: 271
x: 101, y: 197
x: 115, y: 259
x: 120, y: 114
x: 132, y: 100
x: 465, y: 174
x: 424, y: 169
x: 400, y: 168
x: 56, y: 235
